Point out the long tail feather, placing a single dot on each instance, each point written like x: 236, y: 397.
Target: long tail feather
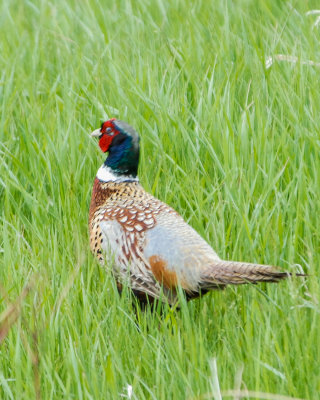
x: 237, y: 273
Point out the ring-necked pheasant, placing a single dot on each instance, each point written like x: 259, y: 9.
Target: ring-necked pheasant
x: 148, y: 244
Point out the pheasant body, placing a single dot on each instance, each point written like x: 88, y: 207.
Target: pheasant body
x: 145, y: 242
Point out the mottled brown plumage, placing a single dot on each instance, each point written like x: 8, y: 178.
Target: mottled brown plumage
x: 145, y: 242
x: 135, y: 211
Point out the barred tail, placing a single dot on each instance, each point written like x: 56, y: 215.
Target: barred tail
x: 222, y: 273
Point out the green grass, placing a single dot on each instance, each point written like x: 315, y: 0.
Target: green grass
x: 233, y: 146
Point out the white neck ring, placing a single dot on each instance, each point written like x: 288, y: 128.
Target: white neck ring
x: 105, y: 174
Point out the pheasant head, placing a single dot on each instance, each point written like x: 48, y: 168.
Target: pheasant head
x: 121, y: 141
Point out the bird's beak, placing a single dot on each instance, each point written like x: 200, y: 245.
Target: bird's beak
x: 96, y: 133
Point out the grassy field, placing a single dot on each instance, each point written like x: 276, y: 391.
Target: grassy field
x: 232, y: 143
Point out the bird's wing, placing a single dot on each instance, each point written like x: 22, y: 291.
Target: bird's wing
x: 176, y: 252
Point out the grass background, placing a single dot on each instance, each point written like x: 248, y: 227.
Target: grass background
x: 232, y: 145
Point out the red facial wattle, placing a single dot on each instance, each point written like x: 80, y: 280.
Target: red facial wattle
x: 105, y: 142
x: 108, y: 132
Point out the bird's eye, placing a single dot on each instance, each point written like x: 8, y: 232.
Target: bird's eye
x: 109, y: 131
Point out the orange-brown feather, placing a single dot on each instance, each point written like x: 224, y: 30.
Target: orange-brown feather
x: 160, y: 270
